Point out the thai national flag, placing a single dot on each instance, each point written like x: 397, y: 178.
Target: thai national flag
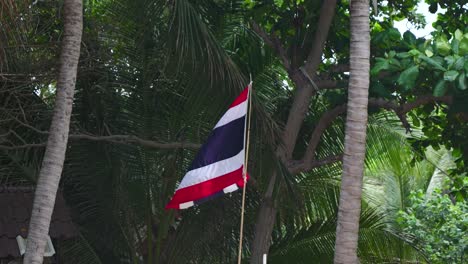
x: 218, y: 166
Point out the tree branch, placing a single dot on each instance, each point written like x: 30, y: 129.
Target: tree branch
x: 324, y: 122
x: 425, y: 99
x: 25, y: 146
x: 309, y: 162
x: 274, y: 43
x: 119, y: 139
x: 327, y: 13
x: 304, y: 89
x: 129, y: 139
x: 301, y: 166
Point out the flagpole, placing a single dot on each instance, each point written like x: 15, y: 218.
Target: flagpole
x: 244, y: 171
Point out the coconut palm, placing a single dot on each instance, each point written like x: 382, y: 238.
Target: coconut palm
x: 54, y: 156
x: 354, y: 152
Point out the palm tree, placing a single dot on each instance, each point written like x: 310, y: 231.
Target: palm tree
x: 355, y: 136
x: 52, y: 164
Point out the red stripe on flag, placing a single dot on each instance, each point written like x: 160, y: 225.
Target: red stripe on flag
x: 241, y: 98
x: 206, y: 188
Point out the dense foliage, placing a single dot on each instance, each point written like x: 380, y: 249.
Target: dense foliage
x: 438, y: 225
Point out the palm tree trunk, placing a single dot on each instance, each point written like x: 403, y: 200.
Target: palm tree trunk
x: 355, y: 136
x: 52, y: 164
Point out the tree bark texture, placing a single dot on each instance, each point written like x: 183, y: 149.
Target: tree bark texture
x: 52, y: 164
x: 355, y: 136
x: 263, y: 229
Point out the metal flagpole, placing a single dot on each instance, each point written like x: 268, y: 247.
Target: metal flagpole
x: 244, y: 171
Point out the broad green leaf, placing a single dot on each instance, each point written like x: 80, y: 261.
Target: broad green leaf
x: 439, y: 89
x: 380, y: 90
x: 450, y: 60
x: 442, y: 45
x: 379, y: 66
x: 458, y: 34
x: 433, y: 7
x: 279, y: 3
x: 408, y: 77
x: 393, y: 33
x: 429, y: 53
x: 455, y: 46
x: 463, y: 46
x: 462, y: 82
x: 394, y: 62
x: 432, y: 62
x: 403, y: 55
x: 409, y: 38
x: 458, y: 65
x: 450, y: 75
x: 414, y: 52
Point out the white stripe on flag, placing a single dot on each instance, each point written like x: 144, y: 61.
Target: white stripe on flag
x: 212, y: 171
x: 230, y: 188
x: 185, y: 205
x: 233, y: 113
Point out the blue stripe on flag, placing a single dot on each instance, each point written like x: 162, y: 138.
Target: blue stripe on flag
x: 224, y: 142
x: 208, y: 198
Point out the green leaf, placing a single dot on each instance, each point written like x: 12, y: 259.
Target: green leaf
x: 463, y: 46
x: 379, y: 66
x: 279, y: 3
x: 393, y: 34
x: 408, y: 77
x: 414, y: 52
x: 442, y: 45
x: 403, y: 55
x: 450, y: 75
x: 439, y: 89
x: 455, y: 46
x: 450, y: 60
x: 432, y: 62
x: 380, y: 90
x: 458, y: 65
x: 458, y: 34
x: 429, y: 53
x: 433, y: 7
x: 462, y: 82
x: 409, y: 38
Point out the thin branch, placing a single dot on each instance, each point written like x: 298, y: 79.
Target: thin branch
x: 129, y: 139
x: 25, y: 146
x: 274, y: 43
x: 117, y: 139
